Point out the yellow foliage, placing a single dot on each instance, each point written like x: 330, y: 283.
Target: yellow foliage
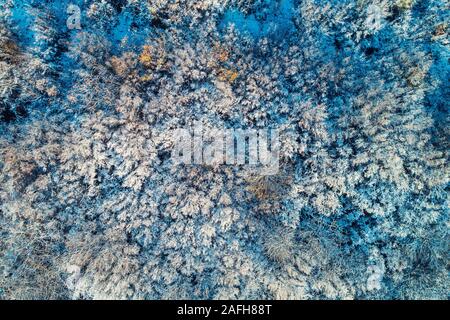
x: 146, y: 77
x: 221, y: 54
x: 146, y: 58
x: 405, y: 4
x: 221, y: 57
x: 228, y: 75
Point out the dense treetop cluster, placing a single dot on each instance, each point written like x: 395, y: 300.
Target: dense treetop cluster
x: 92, y: 207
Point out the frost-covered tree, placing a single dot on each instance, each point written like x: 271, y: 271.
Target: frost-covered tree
x: 92, y: 205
